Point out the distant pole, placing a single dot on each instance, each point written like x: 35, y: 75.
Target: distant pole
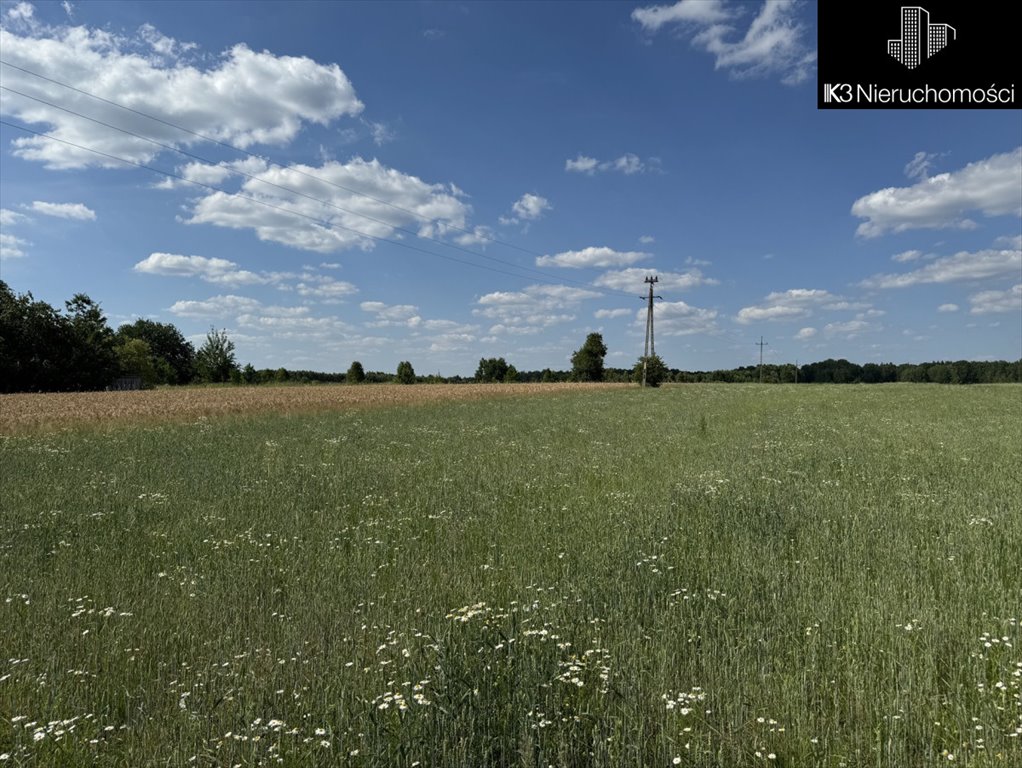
x: 761, y: 344
x: 650, y: 345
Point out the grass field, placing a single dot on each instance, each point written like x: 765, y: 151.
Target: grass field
x: 699, y: 576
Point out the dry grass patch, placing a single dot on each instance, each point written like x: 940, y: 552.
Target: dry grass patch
x: 56, y: 410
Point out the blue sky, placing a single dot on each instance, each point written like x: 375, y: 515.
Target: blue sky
x: 439, y: 182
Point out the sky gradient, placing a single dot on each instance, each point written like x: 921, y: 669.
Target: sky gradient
x: 440, y: 182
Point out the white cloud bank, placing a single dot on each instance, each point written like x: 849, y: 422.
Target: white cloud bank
x: 795, y: 304
x: 962, y: 266
x: 990, y: 187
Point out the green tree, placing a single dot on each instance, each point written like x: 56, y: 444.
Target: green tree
x: 136, y: 359
x: 248, y: 374
x: 215, y: 360
x: 405, y: 373
x: 656, y: 371
x: 167, y: 345
x: 356, y: 373
x: 587, y: 362
x: 491, y: 369
x: 35, y: 344
x: 92, y: 361
x: 511, y: 375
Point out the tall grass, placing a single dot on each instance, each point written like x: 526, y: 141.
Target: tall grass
x: 701, y: 576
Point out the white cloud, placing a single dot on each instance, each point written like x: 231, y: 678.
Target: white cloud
x: 479, y: 235
x: 805, y: 334
x: 628, y: 164
x: 77, y: 211
x: 773, y: 43
x: 11, y: 247
x: 795, y: 303
x: 211, y: 270
x: 985, y: 302
x: 401, y: 201
x: 245, y: 97
x: 919, y: 166
x: 949, y: 269
x: 989, y: 186
x: 9, y: 218
x: 947, y: 308
x: 215, y: 306
x: 582, y: 164
x: 634, y: 280
x: 906, y: 256
x: 647, y: 239
x: 324, y: 287
x: 676, y: 318
x: 528, y: 207
x: 606, y: 314
x: 851, y: 328
x: 530, y: 310
x: 699, y: 11
x: 392, y: 315
x: 591, y: 257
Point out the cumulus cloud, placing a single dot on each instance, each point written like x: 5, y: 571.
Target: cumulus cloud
x: 215, y: 306
x: 987, y: 302
x: 606, y: 314
x: 11, y: 247
x: 530, y: 310
x: 528, y: 207
x: 989, y: 187
x: 805, y: 334
x: 964, y: 265
x: 210, y: 270
x: 906, y: 256
x: 794, y: 304
x: 591, y: 257
x: 392, y: 315
x: 244, y: 97
x: 363, y: 200
x: 78, y: 211
x: 634, y: 280
x: 850, y: 328
x: 628, y: 164
x: 676, y: 318
x: 947, y: 308
x: 9, y: 218
x: 774, y: 43
x: 647, y: 239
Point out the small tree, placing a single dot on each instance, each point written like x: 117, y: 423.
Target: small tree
x: 511, y: 375
x: 215, y: 360
x: 248, y: 374
x: 656, y: 371
x: 587, y: 362
x: 492, y: 369
x: 405, y: 373
x: 136, y: 359
x: 356, y: 373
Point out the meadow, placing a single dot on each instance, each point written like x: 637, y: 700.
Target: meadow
x: 703, y: 575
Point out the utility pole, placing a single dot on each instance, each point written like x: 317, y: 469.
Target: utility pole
x: 650, y: 346
x: 761, y: 344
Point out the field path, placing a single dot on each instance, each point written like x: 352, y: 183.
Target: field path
x: 57, y: 410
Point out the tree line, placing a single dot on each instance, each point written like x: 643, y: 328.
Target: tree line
x: 43, y: 349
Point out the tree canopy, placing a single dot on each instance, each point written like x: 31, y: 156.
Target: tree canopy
x: 215, y: 360
x: 587, y: 362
